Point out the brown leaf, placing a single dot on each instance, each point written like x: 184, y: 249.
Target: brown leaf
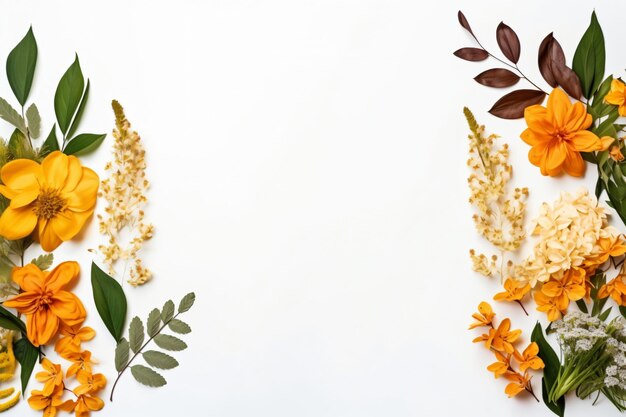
x: 508, y: 42
x: 472, y: 54
x: 513, y: 104
x: 463, y: 21
x: 497, y: 77
x: 550, y: 51
x: 567, y: 78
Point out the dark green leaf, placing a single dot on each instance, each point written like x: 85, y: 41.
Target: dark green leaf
x: 18, y: 144
x: 44, y: 261
x: 551, y: 370
x: 603, y: 90
x: 21, y: 64
x: 179, y: 326
x: 51, y: 144
x: 622, y: 310
x: 557, y: 408
x: 605, y: 314
x: 159, y: 360
x: 110, y: 301
x: 147, y: 376
x: 122, y: 354
x: 34, y: 121
x: 8, y: 113
x: 27, y: 355
x: 186, y: 302
x: 136, y: 334
x: 168, y: 311
x: 68, y: 95
x: 167, y: 342
x: 84, y: 143
x: 589, y: 58
x: 154, y: 322
x: 79, y: 113
x: 9, y: 317
x: 582, y: 306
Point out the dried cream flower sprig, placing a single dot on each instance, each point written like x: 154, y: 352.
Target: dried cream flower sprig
x: 124, y: 191
x: 500, y: 216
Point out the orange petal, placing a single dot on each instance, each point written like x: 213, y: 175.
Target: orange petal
x: 28, y: 277
x: 62, y: 275
x: 578, y: 118
x: 41, y: 327
x: 558, y: 107
x: 585, y: 141
x: 25, y: 303
x: 67, y: 307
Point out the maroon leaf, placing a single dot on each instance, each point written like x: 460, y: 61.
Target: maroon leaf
x: 464, y: 23
x: 550, y: 50
x: 472, y: 54
x: 512, y: 105
x: 508, y: 42
x: 567, y: 78
x: 497, y: 77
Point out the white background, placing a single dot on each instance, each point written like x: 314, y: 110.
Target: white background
x: 309, y: 184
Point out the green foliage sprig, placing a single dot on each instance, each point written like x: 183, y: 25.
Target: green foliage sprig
x: 157, y: 321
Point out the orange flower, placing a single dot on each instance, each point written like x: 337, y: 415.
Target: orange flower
x: 617, y: 96
x: 44, y: 302
x: 616, y: 154
x: 82, y: 362
x: 501, y: 339
x: 52, y: 377
x: 513, y: 291
x: 49, y: 403
x: 571, y: 287
x: 502, y: 366
x: 550, y: 305
x: 54, y: 199
x: 89, y: 383
x: 616, y: 288
x: 484, y: 317
x: 518, y: 384
x: 609, y: 248
x: 85, y: 404
x: 529, y: 358
x: 71, y: 339
x: 557, y: 134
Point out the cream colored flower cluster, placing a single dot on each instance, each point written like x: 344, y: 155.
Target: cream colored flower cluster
x: 124, y: 192
x: 500, y: 215
x: 569, y: 232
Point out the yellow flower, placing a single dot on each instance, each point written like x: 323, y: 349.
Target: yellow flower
x: 52, y: 376
x: 557, y: 134
x: 513, y: 291
x: 484, y: 317
x: 617, y: 96
x: 529, y: 358
x: 44, y: 301
x: 71, y: 339
x: 54, y: 199
x: 89, y: 383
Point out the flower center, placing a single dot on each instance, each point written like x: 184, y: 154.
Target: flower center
x: 561, y: 136
x: 44, y: 300
x: 48, y: 204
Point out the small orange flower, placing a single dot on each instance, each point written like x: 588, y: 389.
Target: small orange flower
x: 49, y: 403
x: 82, y: 362
x: 571, y: 287
x: 617, y: 96
x: 616, y: 289
x: 45, y: 302
x: 52, y: 377
x: 484, y: 317
x: 609, y: 248
x: 85, y: 404
x: 518, y: 384
x: 529, y: 358
x: 557, y: 134
x: 502, y: 366
x: 616, y: 154
x: 513, y: 291
x: 549, y: 305
x: 89, y: 384
x: 501, y: 339
x: 71, y: 339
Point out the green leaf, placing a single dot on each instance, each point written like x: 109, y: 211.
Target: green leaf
x: 51, y: 144
x: 84, y: 143
x: 622, y: 310
x: 605, y: 314
x: 186, y: 302
x: 589, y: 58
x: 79, y: 113
x: 136, y: 334
x: 68, y: 95
x: 147, y: 376
x: 154, y: 322
x: 21, y: 64
x: 167, y: 342
x: 603, y: 90
x: 551, y: 370
x: 18, y: 144
x: 159, y: 360
x: 44, y: 261
x: 582, y: 306
x: 110, y: 301
x: 27, y: 355
x: 179, y: 326
x: 34, y: 121
x: 122, y: 354
x: 11, y: 115
x: 168, y: 311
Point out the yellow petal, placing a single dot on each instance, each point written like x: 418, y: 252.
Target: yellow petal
x: 16, y: 223
x: 47, y: 237
x: 55, y: 167
x: 21, y: 174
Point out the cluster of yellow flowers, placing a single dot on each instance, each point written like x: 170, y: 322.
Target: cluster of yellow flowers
x: 501, y: 340
x: 500, y: 217
x: 124, y: 192
x: 7, y: 367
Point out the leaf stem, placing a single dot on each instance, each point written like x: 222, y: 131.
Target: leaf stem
x: 119, y: 374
